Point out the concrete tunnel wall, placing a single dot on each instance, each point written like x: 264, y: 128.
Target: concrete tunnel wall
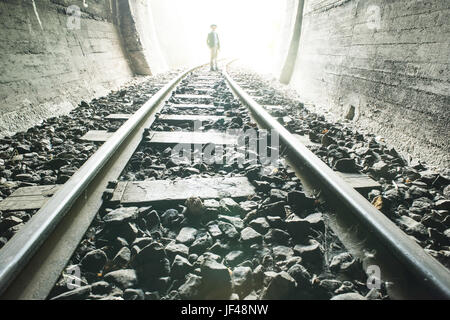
x: 52, y: 58
x: 389, y: 60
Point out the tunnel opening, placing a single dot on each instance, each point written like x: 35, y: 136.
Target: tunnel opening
x: 362, y: 85
x: 350, y: 114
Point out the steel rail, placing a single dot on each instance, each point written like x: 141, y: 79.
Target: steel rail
x: 17, y: 252
x: 424, y: 267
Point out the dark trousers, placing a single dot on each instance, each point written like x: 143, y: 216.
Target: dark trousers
x: 214, y: 51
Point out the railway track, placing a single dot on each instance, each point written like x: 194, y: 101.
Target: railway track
x: 202, y: 194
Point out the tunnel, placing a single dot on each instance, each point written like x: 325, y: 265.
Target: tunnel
x: 375, y: 69
x: 387, y: 61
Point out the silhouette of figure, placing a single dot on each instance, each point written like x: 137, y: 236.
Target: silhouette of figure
x: 214, y: 45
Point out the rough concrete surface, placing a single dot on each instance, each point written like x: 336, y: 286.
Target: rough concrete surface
x: 55, y: 53
x: 386, y: 60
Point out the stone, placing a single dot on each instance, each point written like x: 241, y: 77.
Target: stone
x: 234, y: 297
x: 201, y: 243
x: 192, y: 258
x: 438, y: 236
x: 289, y: 262
x: 142, y: 242
x: 442, y: 205
x: 3, y: 241
x: 211, y: 256
x: 122, y: 258
x: 100, y: 288
x: 277, y: 195
x: 327, y: 140
x: 26, y: 177
x: 446, y: 192
x: 341, y: 261
x: 447, y: 233
x: 374, y: 294
x: 347, y: 165
x: 121, y: 215
x: 412, y: 226
x: 242, y: 278
x: 125, y: 278
x: 253, y: 172
x: 80, y: 293
x: 187, y: 235
x: 250, y: 236
x: 258, y: 276
x: 180, y: 267
x: 211, y: 204
x: 13, y: 230
x: 273, y: 209
x: 262, y: 186
x: 237, y: 222
x: 94, y: 261
x: 277, y: 236
x: 311, y: 253
x: 380, y: 169
x: 195, y: 207
x: 216, y: 278
x: 171, y: 217
x: 214, y: 230
x: 250, y: 216
x: 260, y: 225
x: 152, y: 296
x: 151, y: 252
x: 282, y: 252
x: 233, y: 258
x: 251, y: 296
x: 173, y: 249
x: 276, y: 222
x: 300, y: 201
x: 153, y: 219
x: 348, y: 296
x: 23, y: 148
x: 133, y: 294
x: 128, y: 231
x: 230, y: 207
x: 248, y: 206
x: 441, y: 181
x: 115, y: 297
x: 329, y: 285
x: 191, y: 288
x: 346, y: 287
x: 300, y: 228
x: 280, y: 287
x: 9, y: 222
x: 151, y: 262
x: 300, y: 275
x: 220, y: 247
x: 228, y: 230
x: 162, y: 283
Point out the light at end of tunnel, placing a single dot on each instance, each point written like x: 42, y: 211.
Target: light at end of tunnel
x: 248, y: 30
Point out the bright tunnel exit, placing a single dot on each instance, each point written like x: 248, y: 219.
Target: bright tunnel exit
x: 249, y: 30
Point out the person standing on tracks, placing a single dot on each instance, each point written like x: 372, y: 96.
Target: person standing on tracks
x: 214, y: 45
